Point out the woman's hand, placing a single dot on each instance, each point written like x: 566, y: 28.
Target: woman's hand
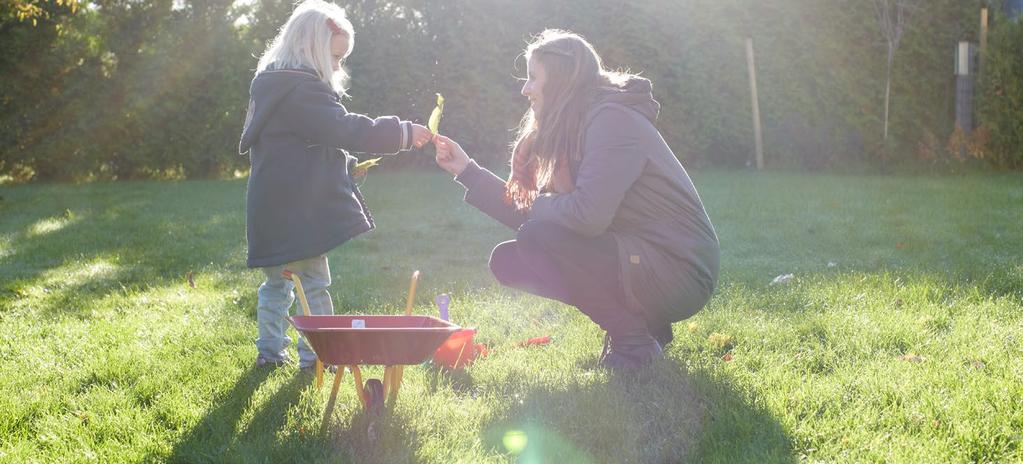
x: 450, y: 155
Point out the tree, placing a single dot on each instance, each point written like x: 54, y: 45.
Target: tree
x: 34, y: 10
x: 891, y: 16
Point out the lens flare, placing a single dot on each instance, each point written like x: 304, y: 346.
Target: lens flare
x: 515, y: 441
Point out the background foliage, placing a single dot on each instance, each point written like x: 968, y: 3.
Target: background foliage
x: 158, y: 88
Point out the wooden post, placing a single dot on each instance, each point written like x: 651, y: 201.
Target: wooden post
x: 758, y: 140
x: 964, y: 87
x: 983, y: 38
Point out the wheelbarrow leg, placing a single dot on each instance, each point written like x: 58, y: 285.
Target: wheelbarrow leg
x: 333, y: 396
x: 360, y: 388
x: 388, y: 379
x: 399, y: 372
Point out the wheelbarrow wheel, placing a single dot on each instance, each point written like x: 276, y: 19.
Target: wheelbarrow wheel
x: 374, y: 395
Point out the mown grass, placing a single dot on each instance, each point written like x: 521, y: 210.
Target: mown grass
x: 899, y: 338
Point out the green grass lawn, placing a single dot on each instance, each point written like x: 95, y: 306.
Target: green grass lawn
x: 899, y: 339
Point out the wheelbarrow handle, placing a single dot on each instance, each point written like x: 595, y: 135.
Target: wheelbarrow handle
x: 411, y: 293
x: 299, y: 290
x: 305, y: 310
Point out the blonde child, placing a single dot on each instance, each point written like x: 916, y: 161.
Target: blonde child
x: 301, y: 200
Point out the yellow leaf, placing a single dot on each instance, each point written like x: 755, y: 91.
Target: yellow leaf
x: 721, y: 341
x: 367, y: 164
x: 913, y: 357
x: 438, y: 111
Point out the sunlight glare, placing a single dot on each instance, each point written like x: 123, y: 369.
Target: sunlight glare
x: 515, y: 441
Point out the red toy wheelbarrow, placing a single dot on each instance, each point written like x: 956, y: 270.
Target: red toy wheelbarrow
x: 351, y: 340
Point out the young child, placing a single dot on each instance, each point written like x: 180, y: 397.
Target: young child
x: 301, y: 200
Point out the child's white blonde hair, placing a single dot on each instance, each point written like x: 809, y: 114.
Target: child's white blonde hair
x: 304, y: 42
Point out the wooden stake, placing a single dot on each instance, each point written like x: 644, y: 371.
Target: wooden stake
x: 983, y: 36
x: 758, y: 138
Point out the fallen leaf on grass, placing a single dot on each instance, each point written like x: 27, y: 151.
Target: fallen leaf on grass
x: 535, y: 341
x: 783, y: 279
x: 191, y: 279
x: 693, y: 327
x: 913, y: 358
x: 727, y: 357
x: 720, y: 341
x: 978, y: 365
x: 900, y: 245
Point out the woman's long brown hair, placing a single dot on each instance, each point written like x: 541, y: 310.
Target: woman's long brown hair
x: 550, y: 140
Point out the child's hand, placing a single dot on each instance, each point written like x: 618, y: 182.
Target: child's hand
x: 420, y: 135
x: 450, y: 155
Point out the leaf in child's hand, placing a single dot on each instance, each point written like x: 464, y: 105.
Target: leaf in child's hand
x: 368, y: 163
x: 362, y: 168
x: 438, y: 111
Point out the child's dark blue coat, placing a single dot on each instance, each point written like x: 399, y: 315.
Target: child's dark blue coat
x: 301, y: 199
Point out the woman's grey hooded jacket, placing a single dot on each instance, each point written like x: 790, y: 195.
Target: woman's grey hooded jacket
x: 628, y: 184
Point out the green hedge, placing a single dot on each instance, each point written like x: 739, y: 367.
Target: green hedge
x: 130, y: 88
x: 1000, y: 107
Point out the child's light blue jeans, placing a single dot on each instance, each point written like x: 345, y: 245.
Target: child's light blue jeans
x: 276, y: 297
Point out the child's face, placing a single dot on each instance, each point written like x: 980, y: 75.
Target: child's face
x: 536, y: 76
x: 338, y: 48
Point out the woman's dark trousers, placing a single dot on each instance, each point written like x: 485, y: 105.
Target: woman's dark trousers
x: 552, y: 261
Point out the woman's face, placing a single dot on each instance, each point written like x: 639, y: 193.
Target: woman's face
x: 536, y: 77
x: 338, y: 49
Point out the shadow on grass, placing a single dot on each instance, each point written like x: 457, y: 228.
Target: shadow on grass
x: 219, y: 438
x: 663, y: 415
x: 283, y: 430
x: 213, y: 436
